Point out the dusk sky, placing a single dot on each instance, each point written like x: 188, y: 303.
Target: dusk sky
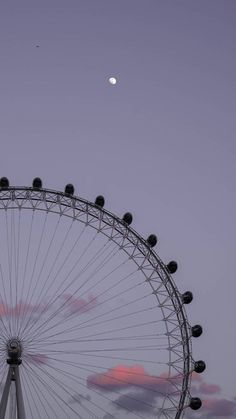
x: 160, y: 143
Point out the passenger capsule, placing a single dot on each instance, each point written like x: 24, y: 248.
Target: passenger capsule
x: 4, y: 182
x: 37, y: 183
x: 127, y: 218
x: 196, y: 331
x: 199, y: 366
x: 100, y: 201
x: 152, y: 240
x: 187, y: 297
x: 195, y: 403
x: 69, y: 189
x: 172, y: 267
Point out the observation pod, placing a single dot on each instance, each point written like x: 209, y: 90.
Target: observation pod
x: 152, y: 240
x: 187, y: 297
x: 196, y: 331
x: 69, y: 189
x: 199, y: 366
x: 172, y: 266
x: 4, y: 182
x: 37, y: 183
x: 127, y: 218
x: 195, y: 403
x: 100, y: 201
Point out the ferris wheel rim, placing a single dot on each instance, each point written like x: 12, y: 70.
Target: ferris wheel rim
x: 76, y: 207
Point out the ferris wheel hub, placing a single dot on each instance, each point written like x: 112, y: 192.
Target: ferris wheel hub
x: 14, y: 350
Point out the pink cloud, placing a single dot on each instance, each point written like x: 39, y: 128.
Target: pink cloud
x: 4, y: 310
x: 80, y: 305
x: 123, y: 377
x: 196, y: 377
x: 39, y: 359
x: 209, y: 389
x: 212, y: 407
x: 200, y: 387
x: 219, y: 407
x: 23, y: 308
x: 20, y: 309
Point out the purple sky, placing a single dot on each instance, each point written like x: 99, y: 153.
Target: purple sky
x: 161, y: 143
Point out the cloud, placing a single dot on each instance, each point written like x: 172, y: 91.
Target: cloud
x: 39, y: 359
x: 79, y: 305
x: 137, y: 401
x: 209, y: 389
x: 196, y: 377
x: 20, y: 309
x: 3, y: 310
x: 200, y: 387
x: 125, y: 377
x: 141, y: 391
x: 24, y: 308
x: 212, y: 407
x: 219, y: 407
x: 79, y: 398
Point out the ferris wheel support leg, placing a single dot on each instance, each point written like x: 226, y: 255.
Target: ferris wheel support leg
x: 13, y: 375
x: 5, y: 394
x: 19, y: 396
x: 12, y: 403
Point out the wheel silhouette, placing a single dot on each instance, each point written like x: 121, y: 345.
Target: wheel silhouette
x: 92, y: 324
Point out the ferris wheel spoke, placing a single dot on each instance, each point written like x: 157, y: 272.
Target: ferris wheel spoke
x: 6, y: 326
x: 32, y: 383
x: 118, y: 317
x: 119, y: 381
x: 68, y: 299
x: 44, y: 287
x: 103, y: 350
x: 27, y: 297
x: 59, y: 323
x: 18, y: 253
x: 33, y: 396
x: 43, y: 263
x: 44, y: 343
x: 48, y: 283
x: 97, y: 368
x: 65, y: 289
x: 27, y: 258
x: 9, y: 258
x: 27, y: 389
x: 67, y: 390
x: 65, y: 260
x: 122, y: 306
x: 78, y: 381
x: 64, y: 332
x: 119, y: 358
x: 14, y: 263
x: 54, y: 395
x: 3, y: 369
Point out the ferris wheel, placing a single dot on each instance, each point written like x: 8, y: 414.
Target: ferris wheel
x: 92, y: 324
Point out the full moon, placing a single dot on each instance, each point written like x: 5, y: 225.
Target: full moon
x: 112, y: 80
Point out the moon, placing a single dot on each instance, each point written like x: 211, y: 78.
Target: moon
x: 112, y: 80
